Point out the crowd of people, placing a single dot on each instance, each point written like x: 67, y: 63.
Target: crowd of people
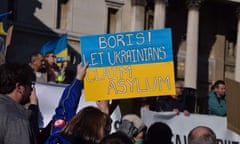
x: 91, y: 125
x: 46, y: 68
x: 181, y: 102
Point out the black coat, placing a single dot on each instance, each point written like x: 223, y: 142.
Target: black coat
x: 167, y: 103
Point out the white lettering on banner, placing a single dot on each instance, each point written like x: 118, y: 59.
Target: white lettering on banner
x: 118, y: 40
x: 181, y: 125
x: 136, y: 55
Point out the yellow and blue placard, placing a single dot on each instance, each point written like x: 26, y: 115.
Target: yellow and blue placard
x: 128, y: 65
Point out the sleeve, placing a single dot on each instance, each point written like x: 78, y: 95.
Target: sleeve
x: 167, y: 103
x: 18, y: 132
x: 161, y: 103
x: 67, y: 106
x: 34, y: 118
x: 55, y: 139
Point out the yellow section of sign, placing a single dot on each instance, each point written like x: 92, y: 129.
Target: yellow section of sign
x: 132, y: 81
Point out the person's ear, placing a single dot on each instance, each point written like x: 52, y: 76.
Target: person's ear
x: 19, y: 88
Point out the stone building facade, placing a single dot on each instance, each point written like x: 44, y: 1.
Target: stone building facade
x: 204, y: 32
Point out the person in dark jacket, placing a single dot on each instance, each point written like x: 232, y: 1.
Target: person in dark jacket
x: 88, y: 126
x: 15, y: 90
x: 176, y: 103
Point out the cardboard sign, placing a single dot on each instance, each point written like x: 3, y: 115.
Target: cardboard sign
x: 128, y: 65
x: 233, y: 99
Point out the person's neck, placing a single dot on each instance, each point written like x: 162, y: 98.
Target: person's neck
x: 14, y: 97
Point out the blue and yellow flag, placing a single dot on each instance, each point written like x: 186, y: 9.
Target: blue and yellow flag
x: 2, y: 32
x: 57, y: 46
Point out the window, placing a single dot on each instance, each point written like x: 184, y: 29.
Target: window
x: 114, y: 15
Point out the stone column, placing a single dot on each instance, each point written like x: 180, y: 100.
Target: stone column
x: 191, y: 60
x: 159, y: 14
x: 138, y: 14
x: 237, y: 64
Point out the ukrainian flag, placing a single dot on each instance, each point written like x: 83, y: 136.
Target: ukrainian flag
x: 2, y: 32
x: 57, y: 46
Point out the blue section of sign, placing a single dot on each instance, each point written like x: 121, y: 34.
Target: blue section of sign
x: 127, y: 48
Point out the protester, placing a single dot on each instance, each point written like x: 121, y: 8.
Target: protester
x: 133, y: 126
x: 38, y: 65
x: 88, y: 126
x: 176, y: 103
x: 15, y: 90
x: 53, y: 71
x: 216, y: 99
x: 159, y: 132
x: 117, y: 138
x: 202, y: 135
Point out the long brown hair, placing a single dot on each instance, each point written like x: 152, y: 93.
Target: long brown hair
x: 89, y: 124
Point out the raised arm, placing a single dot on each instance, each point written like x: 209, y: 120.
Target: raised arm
x: 68, y: 103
